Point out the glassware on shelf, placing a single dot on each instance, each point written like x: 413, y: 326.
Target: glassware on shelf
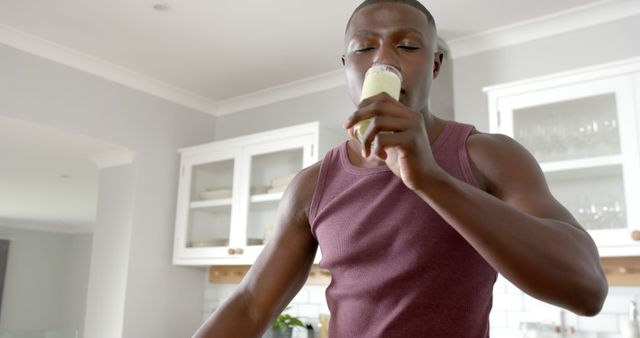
x: 557, y: 138
x: 586, y: 214
x: 610, y: 135
x: 579, y: 128
x: 608, y: 213
x: 539, y: 330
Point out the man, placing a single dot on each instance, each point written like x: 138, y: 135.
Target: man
x: 414, y: 229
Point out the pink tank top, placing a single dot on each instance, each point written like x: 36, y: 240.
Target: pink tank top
x: 398, y: 269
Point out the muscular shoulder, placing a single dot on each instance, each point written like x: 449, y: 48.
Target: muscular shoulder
x: 297, y: 198
x: 501, y: 164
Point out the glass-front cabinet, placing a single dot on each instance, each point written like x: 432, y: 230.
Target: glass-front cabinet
x: 229, y: 191
x: 207, y: 212
x: 582, y: 127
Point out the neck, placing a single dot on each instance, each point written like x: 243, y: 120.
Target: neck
x: 432, y: 124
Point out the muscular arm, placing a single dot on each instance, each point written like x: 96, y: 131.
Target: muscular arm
x: 278, y: 273
x: 514, y: 222
x: 518, y: 226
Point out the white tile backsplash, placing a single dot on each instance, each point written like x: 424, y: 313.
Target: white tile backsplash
x: 504, y: 333
x: 508, y: 301
x: 615, y: 302
x: 525, y: 308
x: 308, y: 311
x: 600, y: 323
x: 510, y: 307
x: 301, y: 298
x: 498, y: 319
x: 317, y: 294
x: 308, y: 304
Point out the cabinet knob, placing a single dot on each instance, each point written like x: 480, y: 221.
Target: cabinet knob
x: 635, y: 235
x: 235, y: 251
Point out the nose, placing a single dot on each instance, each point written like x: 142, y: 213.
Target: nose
x: 387, y: 55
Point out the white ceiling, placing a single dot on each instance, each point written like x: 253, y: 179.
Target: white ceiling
x: 48, y: 179
x: 198, y: 51
x: 223, y: 49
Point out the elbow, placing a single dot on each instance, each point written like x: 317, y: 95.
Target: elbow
x: 590, y: 300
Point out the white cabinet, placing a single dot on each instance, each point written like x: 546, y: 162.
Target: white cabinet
x: 583, y: 128
x: 229, y: 191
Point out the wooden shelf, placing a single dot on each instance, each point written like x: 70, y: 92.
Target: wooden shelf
x: 622, y: 271
x: 235, y: 273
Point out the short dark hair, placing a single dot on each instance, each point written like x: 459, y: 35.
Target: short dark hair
x: 413, y: 3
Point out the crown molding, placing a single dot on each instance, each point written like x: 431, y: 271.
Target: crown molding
x: 557, y: 23
x: 90, y: 64
x: 46, y: 226
x: 577, y: 18
x: 282, y: 92
x: 113, y: 158
x: 610, y: 69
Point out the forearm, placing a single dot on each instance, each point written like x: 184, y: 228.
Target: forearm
x: 231, y: 319
x: 552, y: 260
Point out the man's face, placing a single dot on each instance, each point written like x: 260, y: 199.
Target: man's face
x: 397, y: 35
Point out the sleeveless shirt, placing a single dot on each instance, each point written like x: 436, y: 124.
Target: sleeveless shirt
x: 397, y: 268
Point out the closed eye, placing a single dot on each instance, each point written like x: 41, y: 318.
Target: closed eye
x: 363, y: 49
x: 408, y: 47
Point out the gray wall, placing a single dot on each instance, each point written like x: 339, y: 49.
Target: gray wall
x: 46, y: 280
x: 331, y: 107
x: 46, y: 93
x: 111, y: 253
x: 604, y: 43
x: 441, y: 98
x: 77, y: 280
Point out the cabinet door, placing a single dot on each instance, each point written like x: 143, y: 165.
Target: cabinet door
x: 270, y: 167
x: 206, y: 209
x: 585, y: 137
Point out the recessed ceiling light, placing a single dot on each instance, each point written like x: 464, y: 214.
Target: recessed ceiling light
x: 161, y: 7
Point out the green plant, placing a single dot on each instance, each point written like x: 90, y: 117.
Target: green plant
x: 286, y: 321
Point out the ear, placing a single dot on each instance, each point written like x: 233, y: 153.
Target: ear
x: 342, y: 59
x: 437, y: 63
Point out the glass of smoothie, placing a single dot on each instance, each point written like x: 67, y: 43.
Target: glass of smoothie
x: 379, y: 78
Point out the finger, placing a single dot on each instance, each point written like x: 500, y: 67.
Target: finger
x: 380, y: 97
x: 383, y: 124
x: 377, y: 109
x: 352, y: 133
x: 384, y: 141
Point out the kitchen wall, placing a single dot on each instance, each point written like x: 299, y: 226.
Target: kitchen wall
x: 105, y: 312
x: 46, y: 272
x: 156, y: 298
x: 78, y: 261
